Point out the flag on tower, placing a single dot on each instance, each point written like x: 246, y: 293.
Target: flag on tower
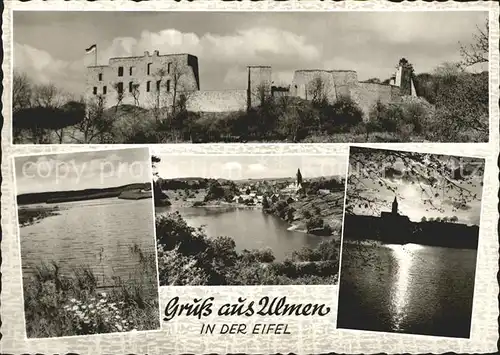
x: 91, y: 49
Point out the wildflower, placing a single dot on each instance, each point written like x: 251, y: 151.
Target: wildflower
x: 103, y: 294
x: 74, y: 308
x: 72, y: 300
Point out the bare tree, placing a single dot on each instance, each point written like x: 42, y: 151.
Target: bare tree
x: 97, y: 126
x: 47, y: 95
x: 318, y: 90
x: 158, y: 101
x: 21, y: 99
x: 477, y: 52
x: 174, y: 85
x: 135, y: 93
x: 118, y: 87
x: 21, y: 91
x: 44, y: 110
x: 437, y: 177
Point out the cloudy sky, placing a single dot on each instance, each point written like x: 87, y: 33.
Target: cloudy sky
x: 78, y: 171
x: 408, y: 188
x: 238, y: 167
x: 49, y: 46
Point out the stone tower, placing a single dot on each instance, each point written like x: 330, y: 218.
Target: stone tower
x: 259, y: 84
x: 404, y: 78
x: 395, y: 207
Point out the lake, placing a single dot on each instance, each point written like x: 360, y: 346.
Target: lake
x: 250, y: 228
x: 95, y: 233
x: 407, y: 288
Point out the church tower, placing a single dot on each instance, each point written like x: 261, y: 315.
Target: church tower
x: 395, y: 206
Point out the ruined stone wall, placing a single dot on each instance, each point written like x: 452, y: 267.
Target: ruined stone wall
x: 366, y: 96
x: 259, y: 78
x: 335, y: 83
x: 217, y: 101
x: 154, y: 74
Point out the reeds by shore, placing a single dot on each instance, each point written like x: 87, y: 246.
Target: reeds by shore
x: 73, y: 304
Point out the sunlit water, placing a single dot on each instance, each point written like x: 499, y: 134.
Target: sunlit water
x: 250, y: 229
x: 97, y: 233
x: 407, y: 288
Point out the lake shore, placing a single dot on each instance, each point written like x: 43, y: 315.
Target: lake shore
x: 31, y: 215
x: 314, y: 214
x: 297, y: 212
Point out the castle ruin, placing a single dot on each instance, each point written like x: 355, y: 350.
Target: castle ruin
x: 155, y: 80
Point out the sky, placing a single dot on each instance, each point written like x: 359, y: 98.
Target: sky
x: 50, y: 45
x: 82, y: 170
x: 240, y: 167
x: 409, y: 194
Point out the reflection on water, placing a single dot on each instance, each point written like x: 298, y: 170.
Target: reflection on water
x: 405, y: 256
x: 407, y: 288
x: 96, y: 233
x: 250, y: 229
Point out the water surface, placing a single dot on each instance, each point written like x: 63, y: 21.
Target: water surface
x: 250, y: 228
x: 407, y: 288
x: 96, y: 233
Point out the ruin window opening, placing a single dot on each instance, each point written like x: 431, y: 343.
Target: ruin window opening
x: 158, y: 85
x: 131, y: 71
x: 149, y: 68
x: 120, y: 87
x: 95, y: 90
x: 168, y: 85
x: 148, y: 86
x: 100, y: 76
x: 104, y: 90
x: 168, y: 67
x: 120, y: 71
x: 131, y: 86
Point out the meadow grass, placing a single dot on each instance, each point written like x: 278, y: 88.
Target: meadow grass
x: 74, y: 304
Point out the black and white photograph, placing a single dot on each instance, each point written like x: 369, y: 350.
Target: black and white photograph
x: 248, y: 219
x: 410, y: 242
x: 214, y: 77
x: 88, y: 249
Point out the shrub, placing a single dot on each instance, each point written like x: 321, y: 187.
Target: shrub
x: 263, y: 256
x: 341, y: 115
x: 196, y: 259
x: 314, y: 223
x: 215, y: 192
x: 178, y: 269
x: 306, y: 254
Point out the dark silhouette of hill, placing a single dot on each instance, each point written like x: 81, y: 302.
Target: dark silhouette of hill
x: 78, y: 195
x: 398, y: 231
x: 69, y: 114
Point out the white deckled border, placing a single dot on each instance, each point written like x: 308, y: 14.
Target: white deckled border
x: 309, y: 335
